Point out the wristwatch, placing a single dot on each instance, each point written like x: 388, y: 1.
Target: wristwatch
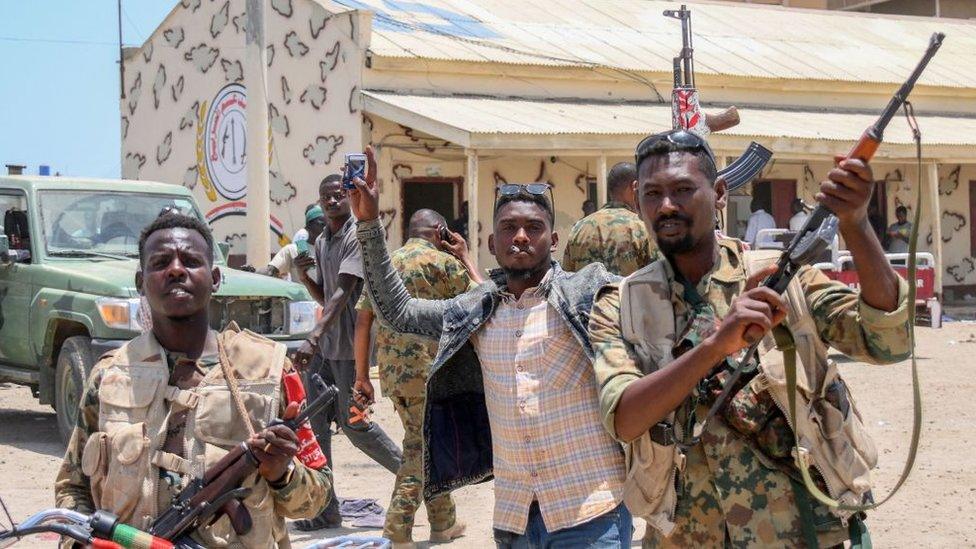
x: 285, y: 479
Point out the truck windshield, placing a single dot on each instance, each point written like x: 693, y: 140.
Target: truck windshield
x: 102, y: 223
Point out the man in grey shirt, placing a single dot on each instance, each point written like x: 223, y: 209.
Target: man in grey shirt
x: 329, y: 347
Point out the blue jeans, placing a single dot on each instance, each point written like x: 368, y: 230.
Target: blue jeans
x: 608, y: 531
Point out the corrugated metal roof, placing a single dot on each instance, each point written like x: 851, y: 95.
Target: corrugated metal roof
x: 730, y: 38
x: 492, y: 116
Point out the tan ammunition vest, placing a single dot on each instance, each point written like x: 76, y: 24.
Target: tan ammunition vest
x: 838, y: 447
x: 124, y: 457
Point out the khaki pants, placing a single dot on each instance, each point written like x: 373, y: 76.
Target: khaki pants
x: 408, y: 490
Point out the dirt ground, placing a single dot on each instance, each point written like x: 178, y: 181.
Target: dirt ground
x: 934, y: 509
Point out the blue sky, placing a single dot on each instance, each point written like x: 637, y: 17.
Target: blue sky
x: 59, y: 85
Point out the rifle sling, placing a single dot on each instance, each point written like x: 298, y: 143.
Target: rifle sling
x: 785, y: 343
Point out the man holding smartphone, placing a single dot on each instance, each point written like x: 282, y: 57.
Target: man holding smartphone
x: 339, y: 284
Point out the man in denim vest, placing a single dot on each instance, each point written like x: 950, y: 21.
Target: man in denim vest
x: 512, y: 383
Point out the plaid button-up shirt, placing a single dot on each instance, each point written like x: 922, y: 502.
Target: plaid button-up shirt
x: 548, y: 441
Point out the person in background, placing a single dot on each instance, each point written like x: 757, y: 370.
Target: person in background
x: 759, y: 220
x: 460, y: 225
x: 340, y: 281
x: 403, y: 361
x: 614, y: 235
x: 900, y: 232
x: 800, y: 215
x: 302, y: 234
x: 511, y: 392
x: 588, y: 207
x: 297, y: 260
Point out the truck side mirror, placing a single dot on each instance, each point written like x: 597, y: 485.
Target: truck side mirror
x: 4, y: 249
x: 224, y: 248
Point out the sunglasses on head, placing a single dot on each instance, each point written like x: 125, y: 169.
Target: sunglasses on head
x: 539, y: 189
x: 676, y: 140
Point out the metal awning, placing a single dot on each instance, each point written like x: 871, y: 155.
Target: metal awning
x: 532, y: 126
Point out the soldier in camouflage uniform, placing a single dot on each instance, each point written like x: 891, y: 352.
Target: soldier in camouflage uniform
x: 177, y: 278
x: 614, y: 235
x: 403, y: 361
x: 734, y: 490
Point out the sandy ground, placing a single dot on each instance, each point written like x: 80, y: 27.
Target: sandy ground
x: 934, y: 509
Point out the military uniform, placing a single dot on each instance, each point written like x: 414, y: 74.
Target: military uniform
x: 403, y: 361
x: 615, y: 236
x: 151, y: 420
x: 731, y: 491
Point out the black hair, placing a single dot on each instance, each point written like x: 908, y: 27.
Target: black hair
x: 331, y: 178
x: 662, y: 147
x: 622, y: 174
x: 537, y: 199
x: 901, y: 210
x: 176, y: 221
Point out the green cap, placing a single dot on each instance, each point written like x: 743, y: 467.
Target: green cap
x: 314, y: 213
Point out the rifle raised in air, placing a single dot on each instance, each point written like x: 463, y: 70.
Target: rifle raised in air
x: 686, y: 111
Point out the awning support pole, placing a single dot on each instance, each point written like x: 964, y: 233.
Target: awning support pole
x: 601, y: 181
x: 471, y: 178
x: 931, y: 178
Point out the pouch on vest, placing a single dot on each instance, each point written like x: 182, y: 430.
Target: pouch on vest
x: 648, y: 326
x: 119, y: 456
x: 829, y: 428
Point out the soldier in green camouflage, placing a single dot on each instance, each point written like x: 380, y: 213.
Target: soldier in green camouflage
x: 614, y: 235
x: 733, y: 489
x: 403, y: 361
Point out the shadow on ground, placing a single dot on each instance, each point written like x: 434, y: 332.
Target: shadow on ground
x: 31, y: 430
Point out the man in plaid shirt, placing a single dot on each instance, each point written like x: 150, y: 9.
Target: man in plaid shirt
x: 512, y: 390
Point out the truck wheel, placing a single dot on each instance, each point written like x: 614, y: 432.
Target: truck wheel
x: 74, y: 363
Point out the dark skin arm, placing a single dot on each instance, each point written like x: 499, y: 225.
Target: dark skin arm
x: 847, y: 193
x: 313, y: 287
x: 651, y: 398
x: 362, y: 390
x: 458, y: 247
x: 332, y: 309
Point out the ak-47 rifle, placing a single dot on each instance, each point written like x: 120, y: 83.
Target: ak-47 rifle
x: 818, y: 233
x: 686, y: 110
x: 219, y: 492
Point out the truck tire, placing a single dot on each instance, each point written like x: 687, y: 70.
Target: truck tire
x: 74, y: 364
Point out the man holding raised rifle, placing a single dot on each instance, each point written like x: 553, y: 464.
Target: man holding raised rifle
x: 666, y: 340
x: 165, y: 407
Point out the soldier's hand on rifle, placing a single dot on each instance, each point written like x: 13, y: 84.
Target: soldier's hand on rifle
x: 848, y: 191
x: 303, y: 356
x: 365, y: 198
x: 276, y: 447
x: 753, y: 313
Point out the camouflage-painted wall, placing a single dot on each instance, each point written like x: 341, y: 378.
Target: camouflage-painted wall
x: 315, y: 59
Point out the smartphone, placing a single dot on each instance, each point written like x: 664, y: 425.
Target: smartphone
x: 446, y: 235
x: 355, y: 167
x: 302, y: 246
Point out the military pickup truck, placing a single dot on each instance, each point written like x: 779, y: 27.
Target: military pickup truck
x: 68, y: 257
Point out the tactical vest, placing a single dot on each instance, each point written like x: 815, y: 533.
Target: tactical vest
x: 124, y: 457
x: 831, y: 441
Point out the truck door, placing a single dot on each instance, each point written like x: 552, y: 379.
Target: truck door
x: 15, y: 281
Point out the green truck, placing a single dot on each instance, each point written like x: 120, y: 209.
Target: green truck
x: 68, y: 257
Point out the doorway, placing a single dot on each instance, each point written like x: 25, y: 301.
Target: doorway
x: 441, y: 194
x: 779, y: 194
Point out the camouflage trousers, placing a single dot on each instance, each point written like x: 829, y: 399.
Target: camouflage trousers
x: 408, y: 490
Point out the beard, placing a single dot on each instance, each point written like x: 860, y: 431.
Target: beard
x: 673, y: 246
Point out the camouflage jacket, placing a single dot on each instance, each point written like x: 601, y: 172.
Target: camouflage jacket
x: 729, y: 491
x: 613, y: 235
x: 427, y: 273
x: 302, y: 497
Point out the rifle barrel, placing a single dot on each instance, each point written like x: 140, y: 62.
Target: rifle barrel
x: 899, y: 98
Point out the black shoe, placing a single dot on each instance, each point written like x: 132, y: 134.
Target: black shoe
x: 328, y: 519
